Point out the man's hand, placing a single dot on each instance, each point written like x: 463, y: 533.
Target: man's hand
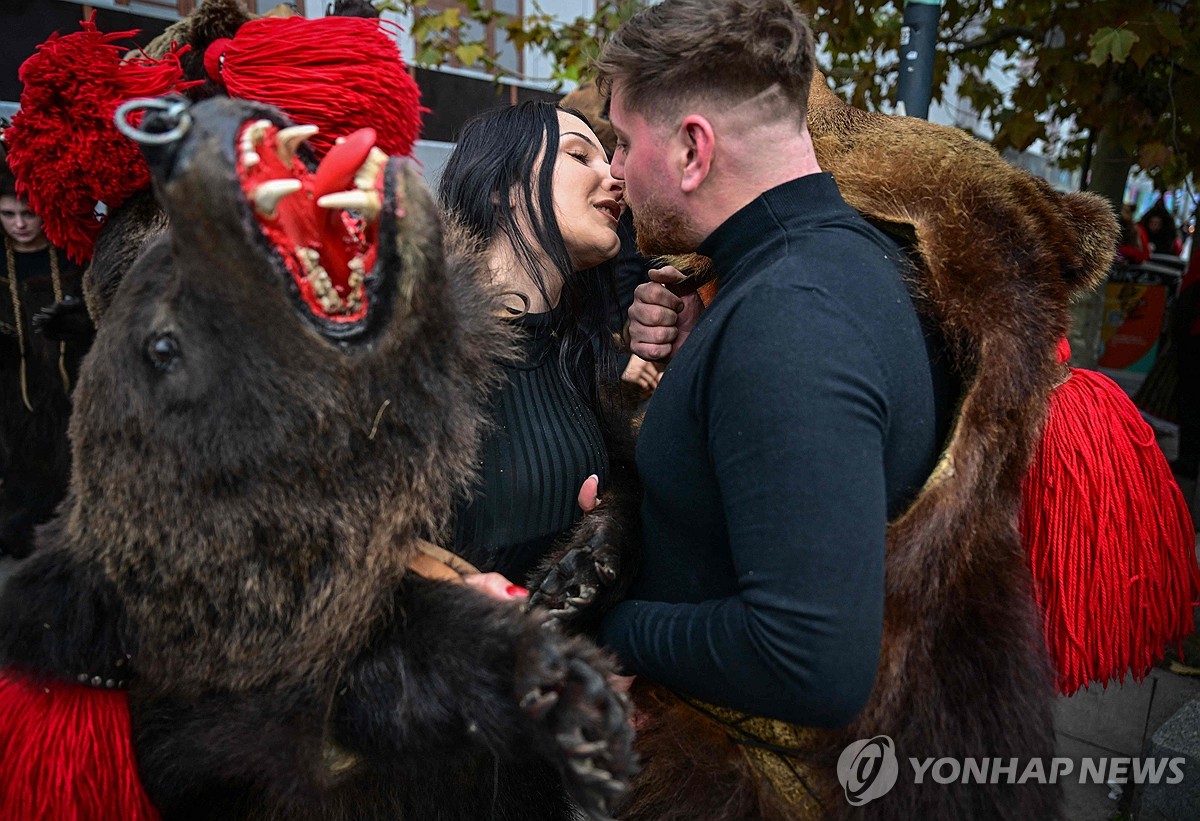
x: 659, y: 321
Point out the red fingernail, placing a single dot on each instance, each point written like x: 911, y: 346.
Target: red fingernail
x: 514, y: 591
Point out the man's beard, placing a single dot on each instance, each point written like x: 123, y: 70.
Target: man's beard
x: 662, y: 230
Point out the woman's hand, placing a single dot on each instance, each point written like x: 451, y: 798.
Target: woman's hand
x: 496, y: 586
x: 589, y: 498
x: 642, y: 375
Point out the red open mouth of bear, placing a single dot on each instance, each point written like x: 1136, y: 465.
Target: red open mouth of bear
x: 323, y: 224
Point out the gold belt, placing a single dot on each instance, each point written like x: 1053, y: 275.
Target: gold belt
x: 778, y: 750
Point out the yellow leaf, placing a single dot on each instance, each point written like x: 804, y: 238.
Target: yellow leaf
x: 468, y: 53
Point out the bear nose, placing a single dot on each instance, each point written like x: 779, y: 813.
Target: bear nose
x: 164, y: 123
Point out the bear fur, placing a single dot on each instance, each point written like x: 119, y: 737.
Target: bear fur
x: 592, y: 567
x: 997, y: 257
x: 251, y: 488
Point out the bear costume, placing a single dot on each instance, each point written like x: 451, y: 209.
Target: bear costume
x: 256, y: 470
x: 997, y: 258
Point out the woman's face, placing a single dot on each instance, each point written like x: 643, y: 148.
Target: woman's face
x: 588, y: 200
x: 20, y: 223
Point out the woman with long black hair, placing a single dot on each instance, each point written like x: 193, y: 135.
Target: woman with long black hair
x: 532, y: 187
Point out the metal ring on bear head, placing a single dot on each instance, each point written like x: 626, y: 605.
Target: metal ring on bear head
x: 170, y: 119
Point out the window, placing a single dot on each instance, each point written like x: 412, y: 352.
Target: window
x: 264, y: 6
x: 174, y: 9
x: 155, y: 9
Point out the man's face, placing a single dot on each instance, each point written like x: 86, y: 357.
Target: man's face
x: 21, y: 224
x: 643, y: 159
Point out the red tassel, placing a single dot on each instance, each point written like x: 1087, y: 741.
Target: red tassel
x: 66, y: 753
x: 1110, y: 541
x: 63, y: 147
x: 337, y: 73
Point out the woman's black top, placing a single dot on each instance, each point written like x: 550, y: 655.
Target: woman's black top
x: 545, y: 442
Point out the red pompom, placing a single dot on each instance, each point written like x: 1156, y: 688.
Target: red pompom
x: 337, y: 73
x: 1110, y: 541
x: 66, y: 753
x: 63, y: 147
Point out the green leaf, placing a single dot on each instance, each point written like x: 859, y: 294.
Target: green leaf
x: 469, y: 53
x: 1111, y: 43
x: 1123, y: 42
x: 430, y: 56
x: 1101, y: 43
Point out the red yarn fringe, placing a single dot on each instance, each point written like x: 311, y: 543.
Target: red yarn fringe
x: 1110, y: 541
x: 66, y: 753
x: 63, y: 147
x: 337, y: 73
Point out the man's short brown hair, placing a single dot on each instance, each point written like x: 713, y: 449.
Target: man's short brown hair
x: 727, y: 51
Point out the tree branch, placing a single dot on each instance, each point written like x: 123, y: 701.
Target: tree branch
x: 999, y: 36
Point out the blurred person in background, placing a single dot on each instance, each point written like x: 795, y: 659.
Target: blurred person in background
x: 1161, y: 231
x: 1135, y: 245
x: 44, y: 333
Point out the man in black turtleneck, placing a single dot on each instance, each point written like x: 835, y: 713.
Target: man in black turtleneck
x: 807, y: 406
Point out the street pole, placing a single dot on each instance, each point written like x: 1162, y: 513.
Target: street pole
x: 918, y: 38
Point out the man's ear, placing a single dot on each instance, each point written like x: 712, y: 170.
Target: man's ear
x: 699, y: 142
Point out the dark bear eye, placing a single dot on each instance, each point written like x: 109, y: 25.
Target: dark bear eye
x: 163, y: 352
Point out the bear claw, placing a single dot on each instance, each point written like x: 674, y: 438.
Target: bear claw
x: 571, y: 583
x: 585, y: 721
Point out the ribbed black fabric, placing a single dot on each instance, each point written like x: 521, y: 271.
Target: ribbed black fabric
x: 546, y: 441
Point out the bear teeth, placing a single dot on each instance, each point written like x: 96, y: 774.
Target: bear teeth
x: 252, y: 138
x: 331, y: 302
x: 366, y: 203
x: 367, y: 176
x: 268, y: 194
x: 289, y: 139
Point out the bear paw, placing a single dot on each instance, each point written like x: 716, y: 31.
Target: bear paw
x: 65, y: 321
x: 581, y: 573
x: 584, y: 720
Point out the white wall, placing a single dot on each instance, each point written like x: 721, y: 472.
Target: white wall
x: 432, y: 156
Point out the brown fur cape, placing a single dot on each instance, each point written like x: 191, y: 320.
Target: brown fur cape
x: 964, y: 670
